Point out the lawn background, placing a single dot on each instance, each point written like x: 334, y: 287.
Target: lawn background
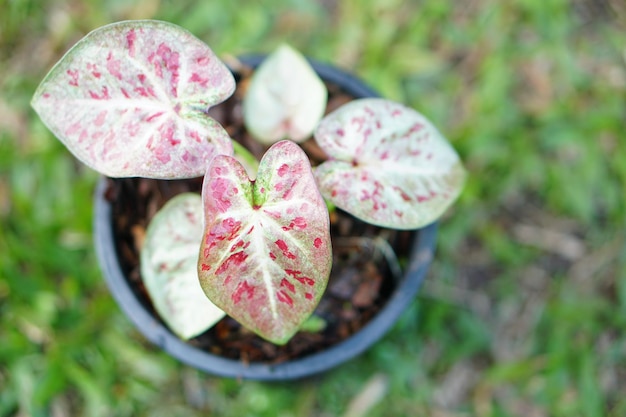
x: 524, y: 310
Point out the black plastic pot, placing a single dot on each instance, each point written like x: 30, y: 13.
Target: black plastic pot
x: 154, y: 330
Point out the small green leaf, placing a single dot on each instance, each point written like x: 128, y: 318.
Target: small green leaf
x: 266, y: 254
x: 387, y: 165
x: 246, y: 158
x: 314, y: 324
x: 169, y: 259
x: 285, y: 99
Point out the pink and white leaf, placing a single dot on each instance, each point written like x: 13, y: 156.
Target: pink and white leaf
x: 130, y: 99
x: 266, y: 253
x: 388, y: 165
x: 169, y: 260
x: 285, y: 98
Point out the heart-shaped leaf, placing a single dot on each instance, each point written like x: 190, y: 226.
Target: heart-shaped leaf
x: 169, y: 267
x: 285, y: 98
x: 266, y: 253
x: 130, y: 99
x: 388, y: 165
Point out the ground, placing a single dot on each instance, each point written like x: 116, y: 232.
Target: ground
x: 524, y: 310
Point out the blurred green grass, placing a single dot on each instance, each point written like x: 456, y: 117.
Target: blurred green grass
x: 524, y: 311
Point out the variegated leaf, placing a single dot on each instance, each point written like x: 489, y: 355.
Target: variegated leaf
x: 169, y: 267
x: 266, y: 253
x: 285, y: 98
x: 130, y: 99
x: 388, y: 165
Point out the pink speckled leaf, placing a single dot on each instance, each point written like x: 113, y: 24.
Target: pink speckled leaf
x: 266, y: 254
x: 169, y: 260
x: 388, y: 165
x: 130, y: 99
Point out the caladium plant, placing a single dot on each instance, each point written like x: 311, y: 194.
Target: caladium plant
x: 266, y: 253
x: 387, y: 164
x: 132, y: 99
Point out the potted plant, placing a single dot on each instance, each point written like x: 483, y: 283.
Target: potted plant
x: 249, y: 204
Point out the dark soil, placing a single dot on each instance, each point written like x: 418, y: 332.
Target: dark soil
x: 361, y: 280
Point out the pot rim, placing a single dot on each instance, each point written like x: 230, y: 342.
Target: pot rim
x: 421, y: 255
